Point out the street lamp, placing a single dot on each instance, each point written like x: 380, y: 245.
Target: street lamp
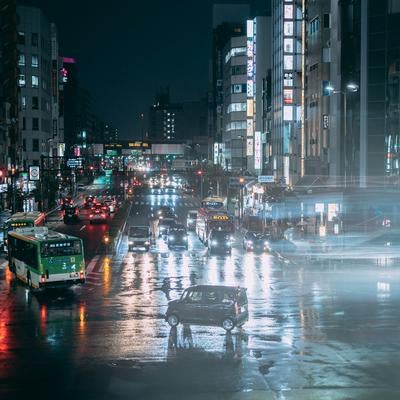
x: 351, y: 87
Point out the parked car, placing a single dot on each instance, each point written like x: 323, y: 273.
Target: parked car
x: 225, y: 306
x: 219, y: 242
x: 191, y: 220
x: 177, y: 237
x: 256, y: 241
x: 139, y: 238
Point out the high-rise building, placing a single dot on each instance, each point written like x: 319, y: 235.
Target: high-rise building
x: 234, y: 104
x: 287, y: 139
x: 10, y: 146
x: 229, y: 21
x: 259, y: 62
x: 319, y: 39
x: 35, y: 84
x: 163, y: 116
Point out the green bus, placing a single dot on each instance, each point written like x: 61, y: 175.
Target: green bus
x: 22, y: 220
x: 44, y: 259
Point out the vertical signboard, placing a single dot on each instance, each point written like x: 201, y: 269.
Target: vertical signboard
x: 250, y: 87
x: 257, y: 150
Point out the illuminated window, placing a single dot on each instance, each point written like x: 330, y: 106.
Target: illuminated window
x: 288, y: 28
x: 23, y: 102
x: 35, y: 81
x: 21, y: 80
x: 288, y: 113
x: 288, y: 96
x: 288, y: 11
x: 288, y: 79
x: 288, y: 45
x: 21, y: 60
x: 35, y: 60
x: 314, y: 26
x: 288, y: 62
x: 236, y: 107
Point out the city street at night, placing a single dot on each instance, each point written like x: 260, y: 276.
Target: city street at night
x: 320, y: 331
x: 200, y: 200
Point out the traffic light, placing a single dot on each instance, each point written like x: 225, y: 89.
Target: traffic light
x: 199, y: 172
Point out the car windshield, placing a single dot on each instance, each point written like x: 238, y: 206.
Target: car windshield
x: 139, y: 232
x: 220, y: 235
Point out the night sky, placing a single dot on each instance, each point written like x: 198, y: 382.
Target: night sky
x: 126, y: 50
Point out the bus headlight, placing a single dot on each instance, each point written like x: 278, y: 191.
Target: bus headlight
x: 214, y: 243
x: 147, y: 243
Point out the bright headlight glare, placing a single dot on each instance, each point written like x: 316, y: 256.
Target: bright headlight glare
x: 214, y: 242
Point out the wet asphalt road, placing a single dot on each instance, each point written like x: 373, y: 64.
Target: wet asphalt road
x: 327, y: 331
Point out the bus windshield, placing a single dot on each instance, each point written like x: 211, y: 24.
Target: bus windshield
x: 62, y: 248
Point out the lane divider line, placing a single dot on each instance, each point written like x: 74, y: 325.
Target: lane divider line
x: 82, y: 228
x: 92, y: 264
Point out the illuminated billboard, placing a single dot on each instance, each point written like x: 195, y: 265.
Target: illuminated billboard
x: 257, y: 150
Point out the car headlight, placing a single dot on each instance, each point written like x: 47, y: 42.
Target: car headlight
x: 266, y: 243
x: 171, y: 237
x: 130, y: 242
x: 185, y: 239
x: 147, y: 243
x: 214, y: 242
x: 249, y: 242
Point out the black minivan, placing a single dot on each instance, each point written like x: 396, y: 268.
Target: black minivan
x: 224, y: 306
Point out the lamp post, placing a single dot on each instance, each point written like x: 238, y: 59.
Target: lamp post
x: 350, y: 88
x: 200, y: 174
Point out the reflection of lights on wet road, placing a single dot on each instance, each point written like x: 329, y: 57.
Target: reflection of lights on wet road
x: 106, y: 275
x: 212, y: 276
x: 4, y: 329
x: 82, y: 318
x: 229, y: 271
x: 43, y: 318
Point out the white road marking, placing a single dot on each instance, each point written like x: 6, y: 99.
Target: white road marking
x: 82, y: 228
x: 92, y: 264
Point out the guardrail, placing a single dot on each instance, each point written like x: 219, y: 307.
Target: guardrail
x: 117, y: 227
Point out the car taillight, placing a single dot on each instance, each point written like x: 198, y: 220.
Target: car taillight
x: 103, y: 215
x: 91, y: 215
x: 236, y: 309
x: 82, y: 274
x: 43, y: 278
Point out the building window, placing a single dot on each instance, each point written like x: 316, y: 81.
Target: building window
x: 23, y: 144
x: 288, y: 45
x: 21, y: 37
x: 288, y: 96
x: 23, y: 102
x: 236, y: 125
x: 35, y: 103
x: 288, y: 79
x: 288, y: 28
x: 35, y: 81
x: 288, y: 11
x: 288, y: 62
x: 21, y: 60
x: 35, y: 60
x: 21, y: 80
x: 23, y: 123
x: 327, y: 21
x: 35, y: 39
x: 236, y: 107
x: 35, y: 124
x: 35, y: 144
x: 314, y: 26
x: 239, y: 69
x: 239, y: 88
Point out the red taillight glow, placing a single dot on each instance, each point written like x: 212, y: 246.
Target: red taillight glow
x: 43, y: 278
x: 103, y: 215
x: 236, y: 309
x: 91, y: 215
x: 82, y: 274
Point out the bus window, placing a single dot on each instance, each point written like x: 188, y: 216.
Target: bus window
x: 56, y: 249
